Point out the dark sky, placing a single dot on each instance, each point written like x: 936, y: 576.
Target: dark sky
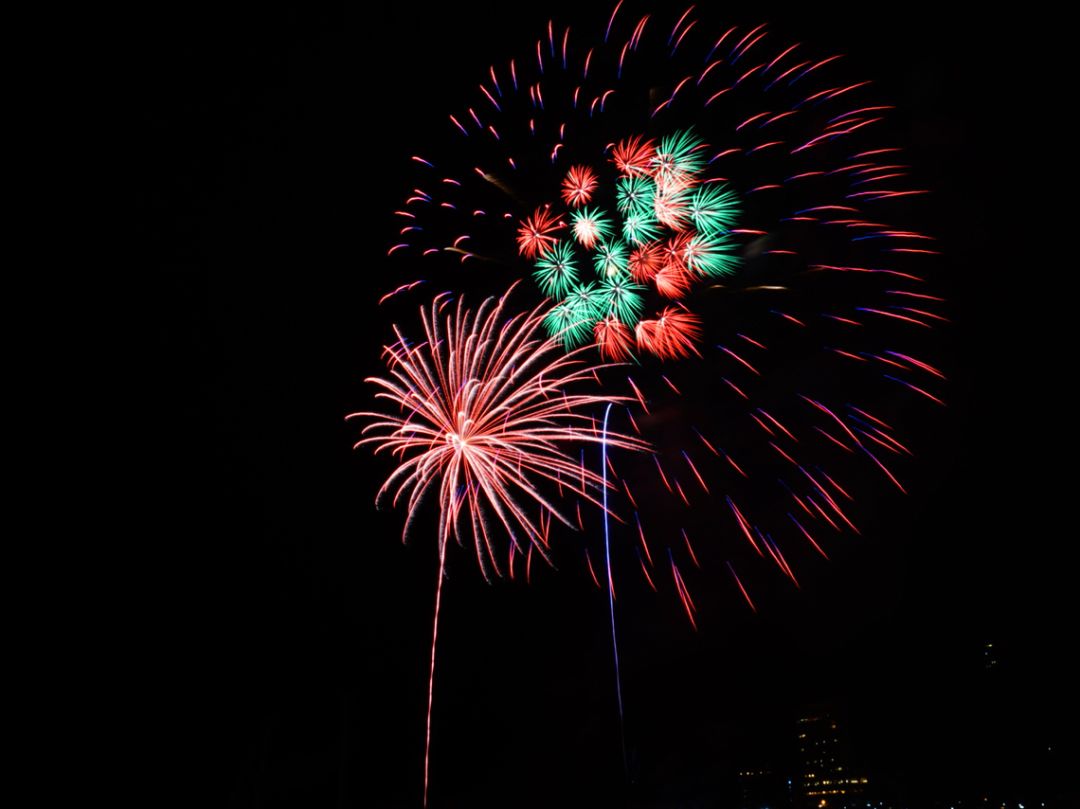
x: 294, y: 626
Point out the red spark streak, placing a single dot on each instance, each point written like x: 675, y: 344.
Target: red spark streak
x: 744, y: 525
x: 684, y: 594
x: 648, y: 578
x: 690, y: 548
x: 806, y: 534
x: 874, y: 419
x: 884, y: 469
x: 641, y: 533
x: 735, y: 356
x: 697, y: 474
x: 592, y: 571
x: 742, y: 589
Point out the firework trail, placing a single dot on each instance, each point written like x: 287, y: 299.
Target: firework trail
x: 729, y: 211
x: 483, y: 414
x: 611, y: 587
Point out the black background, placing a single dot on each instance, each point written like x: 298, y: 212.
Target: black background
x: 290, y: 627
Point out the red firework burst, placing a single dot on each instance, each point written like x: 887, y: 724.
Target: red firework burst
x: 578, y: 186
x: 614, y: 339
x: 634, y: 155
x: 535, y: 236
x: 673, y: 334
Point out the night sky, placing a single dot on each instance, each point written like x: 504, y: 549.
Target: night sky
x: 292, y: 627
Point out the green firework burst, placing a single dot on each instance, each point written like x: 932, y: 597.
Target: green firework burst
x: 714, y: 209
x: 622, y: 298
x: 591, y: 225
x: 711, y: 256
x: 634, y: 193
x: 611, y: 258
x: 572, y: 320
x: 556, y: 271
x: 680, y: 154
x: 640, y: 226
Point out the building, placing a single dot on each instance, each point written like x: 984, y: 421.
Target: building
x: 827, y: 779
x: 763, y: 788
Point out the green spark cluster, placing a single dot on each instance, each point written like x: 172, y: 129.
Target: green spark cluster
x: 673, y: 199
x: 556, y: 270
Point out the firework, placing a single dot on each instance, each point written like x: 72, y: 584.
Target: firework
x: 614, y: 339
x: 537, y: 233
x: 579, y: 185
x: 590, y: 225
x: 483, y: 414
x: 673, y: 334
x: 665, y: 206
x: 486, y: 408
x: 634, y: 156
x: 556, y: 271
x: 730, y: 212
